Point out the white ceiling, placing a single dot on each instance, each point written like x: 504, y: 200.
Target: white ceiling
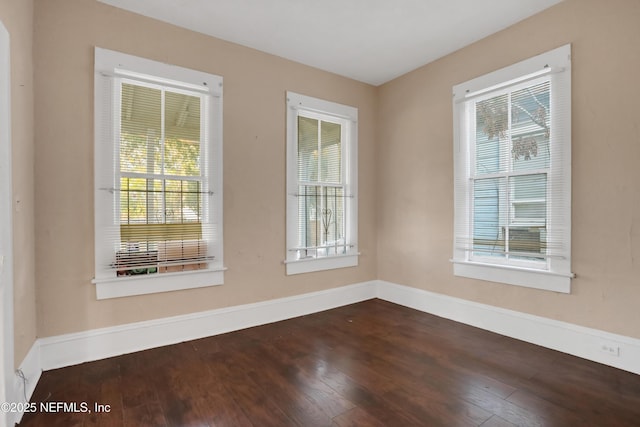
x: 372, y: 41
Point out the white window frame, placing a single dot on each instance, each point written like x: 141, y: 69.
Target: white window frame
x: 347, y: 116
x: 555, y: 273
x: 110, y: 68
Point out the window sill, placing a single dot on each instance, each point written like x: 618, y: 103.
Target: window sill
x: 319, y: 264
x: 531, y: 278
x: 157, y: 283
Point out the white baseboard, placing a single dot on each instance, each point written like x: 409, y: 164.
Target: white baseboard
x: 71, y: 349
x: 568, y: 338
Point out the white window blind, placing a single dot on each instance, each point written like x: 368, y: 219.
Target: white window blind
x: 158, y: 173
x: 321, y: 189
x: 322, y: 198
x: 513, y: 174
x: 163, y: 190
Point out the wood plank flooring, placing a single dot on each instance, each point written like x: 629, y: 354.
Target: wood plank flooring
x: 368, y: 364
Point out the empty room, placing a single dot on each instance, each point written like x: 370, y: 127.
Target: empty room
x: 339, y: 213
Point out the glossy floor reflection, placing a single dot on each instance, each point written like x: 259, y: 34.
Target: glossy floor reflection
x: 367, y: 364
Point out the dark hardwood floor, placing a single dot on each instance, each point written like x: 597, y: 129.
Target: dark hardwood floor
x: 367, y: 364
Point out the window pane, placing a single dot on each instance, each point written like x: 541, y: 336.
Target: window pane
x: 183, y: 201
x: 140, y: 201
x: 309, y: 205
x: 307, y: 149
x: 530, y: 117
x: 332, y: 217
x: 529, y: 211
x: 321, y: 220
x: 489, y: 199
x: 140, y: 133
x: 182, y: 134
x: 331, y: 153
x: 526, y: 242
x: 527, y: 232
x: 146, y: 201
x: 492, y: 126
x: 529, y: 198
x: 192, y: 201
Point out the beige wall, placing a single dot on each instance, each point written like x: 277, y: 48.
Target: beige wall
x: 415, y: 166
x: 17, y: 17
x: 66, y: 32
x: 405, y: 152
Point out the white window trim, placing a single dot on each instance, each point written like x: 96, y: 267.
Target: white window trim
x: 110, y: 64
x: 7, y: 391
x: 349, y: 117
x: 556, y: 273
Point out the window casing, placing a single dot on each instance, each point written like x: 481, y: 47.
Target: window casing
x: 512, y: 167
x: 158, y: 176
x: 322, y: 197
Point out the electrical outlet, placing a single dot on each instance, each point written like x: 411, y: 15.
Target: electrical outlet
x: 610, y: 348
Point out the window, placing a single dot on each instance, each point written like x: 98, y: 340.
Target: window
x: 322, y: 198
x: 158, y: 176
x: 512, y: 154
